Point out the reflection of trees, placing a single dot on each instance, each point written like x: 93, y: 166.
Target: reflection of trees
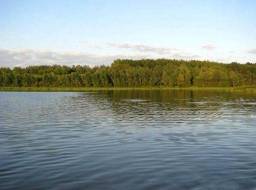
x: 171, y: 106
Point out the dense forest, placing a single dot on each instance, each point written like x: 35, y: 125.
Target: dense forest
x: 133, y: 73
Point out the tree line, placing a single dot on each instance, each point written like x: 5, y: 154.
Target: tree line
x: 133, y: 73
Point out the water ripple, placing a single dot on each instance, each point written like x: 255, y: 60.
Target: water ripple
x: 127, y: 140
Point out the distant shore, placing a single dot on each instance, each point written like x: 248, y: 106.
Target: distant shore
x: 249, y: 89
x: 139, y: 74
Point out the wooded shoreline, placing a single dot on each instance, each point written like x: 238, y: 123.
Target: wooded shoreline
x: 160, y: 73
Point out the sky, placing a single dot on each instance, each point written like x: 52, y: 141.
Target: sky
x: 95, y: 32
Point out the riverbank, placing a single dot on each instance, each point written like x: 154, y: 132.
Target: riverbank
x: 249, y: 89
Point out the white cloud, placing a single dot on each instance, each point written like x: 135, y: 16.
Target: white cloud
x: 208, y: 47
x: 12, y: 58
x: 144, y: 48
x: 252, y: 51
x: 149, y: 51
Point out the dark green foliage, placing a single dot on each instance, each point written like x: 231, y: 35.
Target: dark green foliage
x: 133, y: 73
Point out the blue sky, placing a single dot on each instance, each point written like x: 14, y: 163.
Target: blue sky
x: 98, y: 31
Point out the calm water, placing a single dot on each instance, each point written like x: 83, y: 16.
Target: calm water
x: 127, y: 140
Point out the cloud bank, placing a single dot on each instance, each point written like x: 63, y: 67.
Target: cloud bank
x: 27, y: 57
x: 12, y: 58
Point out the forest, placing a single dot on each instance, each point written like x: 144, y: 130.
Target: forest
x: 133, y: 73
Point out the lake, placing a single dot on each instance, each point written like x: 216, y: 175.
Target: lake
x: 128, y: 139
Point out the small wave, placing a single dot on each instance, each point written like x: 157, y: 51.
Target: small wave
x: 135, y: 100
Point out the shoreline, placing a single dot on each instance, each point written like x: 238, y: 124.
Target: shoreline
x: 250, y: 89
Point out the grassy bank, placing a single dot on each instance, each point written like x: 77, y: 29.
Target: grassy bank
x: 249, y: 89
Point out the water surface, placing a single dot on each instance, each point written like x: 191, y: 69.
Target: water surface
x: 133, y: 139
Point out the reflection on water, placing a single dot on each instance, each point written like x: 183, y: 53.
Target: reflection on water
x: 128, y: 139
